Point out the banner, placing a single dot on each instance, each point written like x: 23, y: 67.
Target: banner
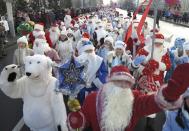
x: 129, y: 31
x: 141, y: 23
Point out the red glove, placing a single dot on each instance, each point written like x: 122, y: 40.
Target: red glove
x: 178, y: 83
x: 153, y: 64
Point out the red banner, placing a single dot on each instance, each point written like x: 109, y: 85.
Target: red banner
x: 129, y: 30
x: 141, y: 23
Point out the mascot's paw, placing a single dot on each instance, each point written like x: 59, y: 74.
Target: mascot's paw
x: 10, y: 72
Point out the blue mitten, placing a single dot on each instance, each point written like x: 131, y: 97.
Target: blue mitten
x: 139, y: 59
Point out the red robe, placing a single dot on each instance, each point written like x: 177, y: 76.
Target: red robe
x: 164, y: 59
x: 32, y: 39
x: 143, y: 105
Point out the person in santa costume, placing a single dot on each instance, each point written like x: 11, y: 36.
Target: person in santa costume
x: 53, y: 34
x: 42, y: 47
x: 90, y: 27
x: 77, y: 33
x: 120, y: 57
x: 62, y: 26
x: 116, y: 107
x: 154, y: 67
x: 67, y: 20
x: 64, y: 47
x: 176, y: 54
x: 106, y: 47
x: 20, y: 53
x: 71, y: 38
x: 36, y: 33
x: 96, y: 71
x: 133, y: 43
x: 178, y: 120
x: 100, y: 33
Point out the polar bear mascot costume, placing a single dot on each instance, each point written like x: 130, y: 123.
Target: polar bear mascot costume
x: 43, y: 109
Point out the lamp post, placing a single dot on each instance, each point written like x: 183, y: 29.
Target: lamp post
x: 10, y: 17
x: 155, y: 6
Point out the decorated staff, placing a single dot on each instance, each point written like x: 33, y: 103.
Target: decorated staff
x: 71, y: 81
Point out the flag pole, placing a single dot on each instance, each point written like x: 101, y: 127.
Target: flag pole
x: 154, y: 26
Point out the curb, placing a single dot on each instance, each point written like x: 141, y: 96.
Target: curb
x: 184, y: 25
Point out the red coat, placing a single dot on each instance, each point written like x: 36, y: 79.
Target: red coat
x: 47, y: 35
x: 143, y: 105
x: 163, y: 59
x: 32, y: 39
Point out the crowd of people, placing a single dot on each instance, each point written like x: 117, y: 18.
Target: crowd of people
x: 123, y: 81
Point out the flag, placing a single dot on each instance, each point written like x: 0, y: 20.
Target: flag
x: 141, y: 23
x: 129, y: 31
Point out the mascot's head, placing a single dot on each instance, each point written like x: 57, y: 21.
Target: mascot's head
x: 38, y: 67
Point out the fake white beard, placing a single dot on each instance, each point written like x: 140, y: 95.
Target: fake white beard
x: 54, y: 36
x: 117, y: 108
x: 37, y: 33
x: 158, y: 53
x: 41, y: 48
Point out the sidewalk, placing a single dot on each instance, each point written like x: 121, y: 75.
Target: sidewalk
x: 11, y: 41
x: 172, y: 22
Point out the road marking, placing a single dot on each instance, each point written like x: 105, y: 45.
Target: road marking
x: 19, y: 125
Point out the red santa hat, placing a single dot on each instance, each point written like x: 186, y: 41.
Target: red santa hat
x: 39, y: 26
x: 110, y: 39
x: 159, y: 38
x: 121, y: 73
x: 86, y: 35
x: 120, y: 44
x: 23, y: 39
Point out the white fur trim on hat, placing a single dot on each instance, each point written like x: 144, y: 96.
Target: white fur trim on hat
x: 159, y: 40
x: 23, y: 39
x: 120, y: 44
x: 87, y: 47
x: 39, y: 27
x: 122, y: 76
x: 110, y: 39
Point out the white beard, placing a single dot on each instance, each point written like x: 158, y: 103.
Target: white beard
x: 54, y: 36
x: 117, y: 108
x: 65, y: 50
x: 77, y: 35
x: 41, y: 48
x: 158, y: 53
x: 37, y: 33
